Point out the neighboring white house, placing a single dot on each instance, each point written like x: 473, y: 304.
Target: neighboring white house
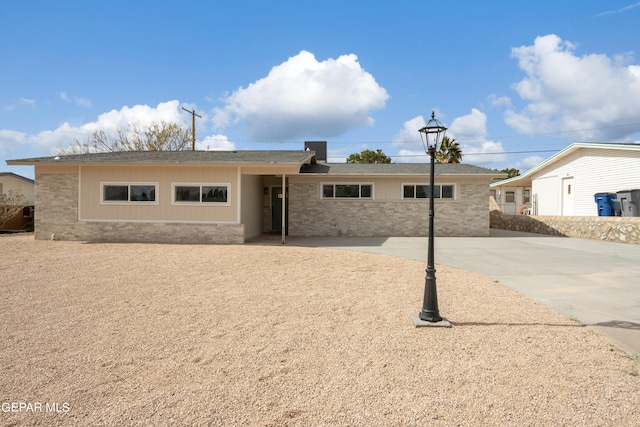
x: 12, y: 181
x: 565, y: 184
x: 513, y: 200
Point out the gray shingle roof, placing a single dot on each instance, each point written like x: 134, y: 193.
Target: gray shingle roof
x: 15, y: 175
x: 299, y: 157
x: 239, y: 156
x: 397, y: 169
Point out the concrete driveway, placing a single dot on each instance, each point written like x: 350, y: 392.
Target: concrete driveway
x: 594, y: 282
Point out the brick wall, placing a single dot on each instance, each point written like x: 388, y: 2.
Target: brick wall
x: 310, y: 216
x: 612, y: 229
x: 56, y: 206
x: 56, y: 214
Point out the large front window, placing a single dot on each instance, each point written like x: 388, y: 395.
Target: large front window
x: 127, y: 193
x: 201, y: 193
x: 422, y: 191
x: 350, y: 191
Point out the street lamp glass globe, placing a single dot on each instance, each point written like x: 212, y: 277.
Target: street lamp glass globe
x: 432, y: 133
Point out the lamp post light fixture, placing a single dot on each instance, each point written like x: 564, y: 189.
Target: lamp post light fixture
x: 432, y: 134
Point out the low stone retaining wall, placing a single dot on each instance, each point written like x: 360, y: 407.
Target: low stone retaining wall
x: 612, y: 229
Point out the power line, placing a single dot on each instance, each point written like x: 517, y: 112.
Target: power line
x: 251, y: 141
x: 473, y: 154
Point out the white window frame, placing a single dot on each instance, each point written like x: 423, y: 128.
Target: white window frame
x: 129, y: 184
x: 511, y: 193
x: 322, y: 184
x: 175, y: 202
x: 414, y: 184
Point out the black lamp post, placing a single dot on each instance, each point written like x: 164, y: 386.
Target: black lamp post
x: 431, y: 134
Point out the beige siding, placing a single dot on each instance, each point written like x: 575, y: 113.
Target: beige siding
x: 252, y: 199
x: 57, y: 192
x: 93, y: 209
x: 8, y: 183
x: 270, y: 170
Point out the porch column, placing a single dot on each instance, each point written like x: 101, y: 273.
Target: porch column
x: 284, y: 207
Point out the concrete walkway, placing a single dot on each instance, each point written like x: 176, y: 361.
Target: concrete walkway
x: 594, y: 282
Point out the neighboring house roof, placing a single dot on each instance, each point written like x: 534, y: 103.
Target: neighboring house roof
x: 525, y: 178
x: 15, y: 175
x: 397, y: 169
x: 229, y: 157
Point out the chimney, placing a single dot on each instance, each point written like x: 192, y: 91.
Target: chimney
x: 320, y: 147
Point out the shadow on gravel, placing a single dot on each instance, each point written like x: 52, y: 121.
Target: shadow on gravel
x: 562, y: 325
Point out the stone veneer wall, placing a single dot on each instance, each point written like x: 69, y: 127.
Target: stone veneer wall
x: 56, y: 216
x: 311, y: 216
x: 612, y: 229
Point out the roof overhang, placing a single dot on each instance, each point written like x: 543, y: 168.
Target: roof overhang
x: 267, y: 161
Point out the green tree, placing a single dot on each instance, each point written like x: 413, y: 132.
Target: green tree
x: 10, y: 203
x: 511, y: 172
x: 449, y: 151
x: 161, y: 136
x: 369, y: 156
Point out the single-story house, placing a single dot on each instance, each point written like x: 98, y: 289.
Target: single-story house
x: 232, y: 196
x: 23, y: 185
x: 566, y: 183
x: 513, y: 200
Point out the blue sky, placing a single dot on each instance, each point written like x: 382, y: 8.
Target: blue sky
x: 515, y: 82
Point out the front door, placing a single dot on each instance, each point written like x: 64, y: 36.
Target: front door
x: 567, y: 197
x: 509, y: 207
x: 276, y: 210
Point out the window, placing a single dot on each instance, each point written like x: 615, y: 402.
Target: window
x: 349, y: 191
x: 527, y: 196
x: 510, y: 196
x: 128, y: 193
x: 422, y: 191
x: 210, y: 194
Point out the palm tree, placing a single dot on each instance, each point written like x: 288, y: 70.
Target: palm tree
x: 449, y: 151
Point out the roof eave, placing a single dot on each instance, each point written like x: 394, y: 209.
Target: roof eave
x: 307, y: 159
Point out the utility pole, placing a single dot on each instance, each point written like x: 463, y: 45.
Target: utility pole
x: 193, y: 127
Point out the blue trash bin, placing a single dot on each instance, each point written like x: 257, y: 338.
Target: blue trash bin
x: 605, y: 203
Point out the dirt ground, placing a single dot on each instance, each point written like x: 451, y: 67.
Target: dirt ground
x: 272, y: 335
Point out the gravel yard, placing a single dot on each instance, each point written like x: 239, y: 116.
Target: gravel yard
x: 273, y: 335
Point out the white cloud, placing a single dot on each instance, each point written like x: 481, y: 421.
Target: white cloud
x: 47, y: 141
x: 528, y: 163
x: 408, y: 143
x: 565, y: 92
x: 303, y: 97
x: 215, y: 143
x: 470, y: 131
x: 472, y: 125
x: 27, y: 101
x: 81, y: 102
x: 143, y: 114
x: 621, y: 10
x: 10, y: 139
x: 483, y: 153
x: 499, y: 101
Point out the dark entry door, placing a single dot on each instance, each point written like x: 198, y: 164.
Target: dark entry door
x: 276, y: 210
